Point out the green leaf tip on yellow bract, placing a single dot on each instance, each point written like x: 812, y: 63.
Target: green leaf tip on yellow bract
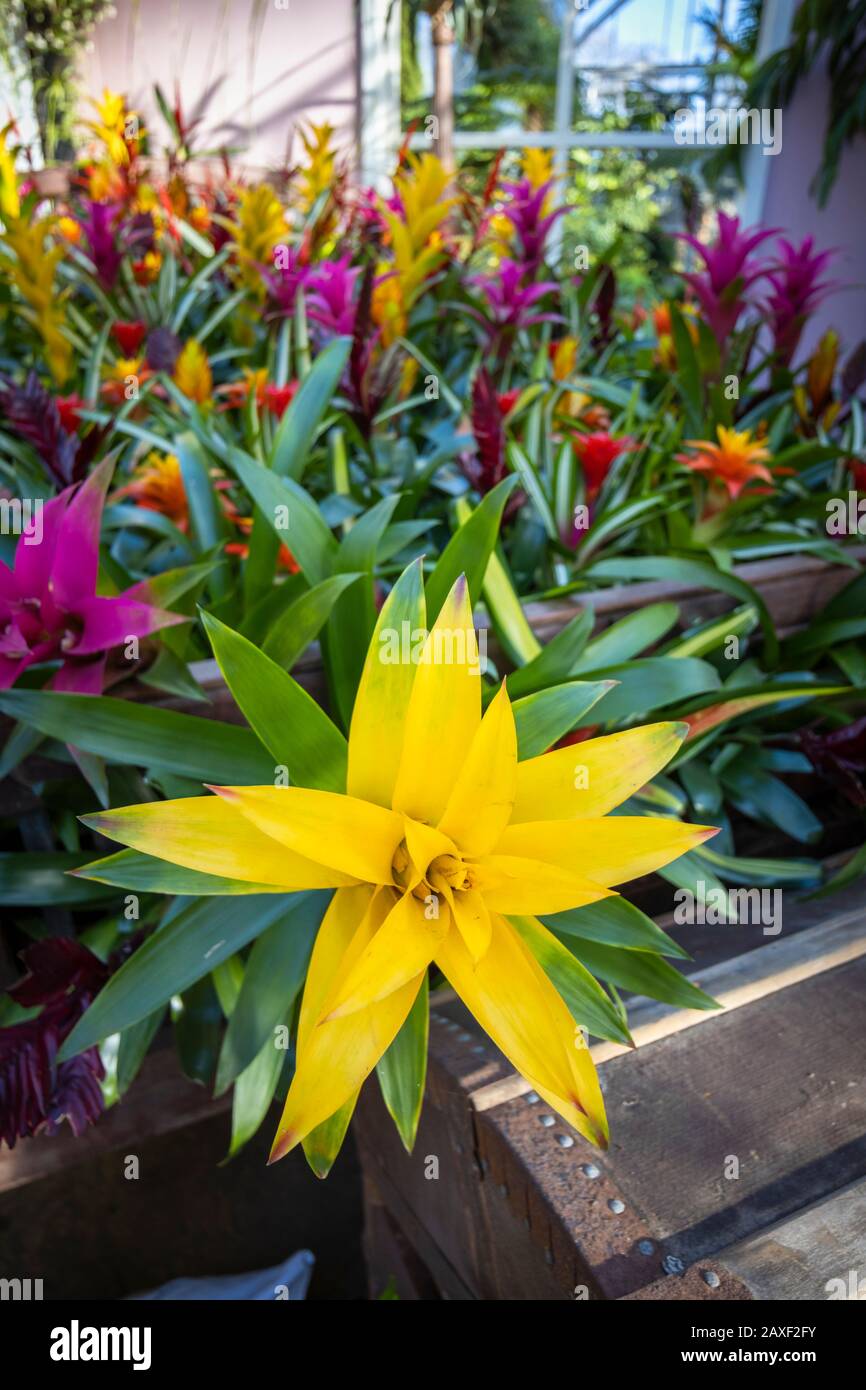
x: 441, y: 835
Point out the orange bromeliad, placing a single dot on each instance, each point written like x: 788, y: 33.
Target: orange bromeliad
x: 735, y: 462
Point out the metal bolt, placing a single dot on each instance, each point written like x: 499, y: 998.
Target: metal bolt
x: 547, y: 1120
x: 565, y: 1141
x: 533, y: 1098
x: 548, y: 1255
x: 590, y: 1170
x: 616, y: 1205
x: 479, y: 1048
x: 672, y: 1264
x: 465, y: 1037
x: 645, y: 1247
x: 502, y: 1189
x: 710, y: 1277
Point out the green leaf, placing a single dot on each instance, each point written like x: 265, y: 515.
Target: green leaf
x: 354, y: 616
x: 616, y: 922
x: 766, y: 799
x: 307, y: 533
x: 587, y: 1002
x: 761, y: 873
x: 556, y: 661
x: 528, y: 475
x: 323, y: 1144
x: 276, y: 970
x: 703, y: 787
x: 297, y: 430
x: 124, y: 732
x: 288, y: 721
x: 469, y: 549
x: 643, y: 972
x: 253, y: 1093
x: 206, y: 517
x: 40, y: 880
x: 506, y: 613
x: 630, y: 635
x: 849, y: 873
x: 544, y: 717
x: 141, y: 873
x: 134, y: 1045
x: 185, y: 949
x: 695, y: 574
x: 196, y: 1022
x: 403, y: 1068
x: 293, y: 630
x: 650, y: 683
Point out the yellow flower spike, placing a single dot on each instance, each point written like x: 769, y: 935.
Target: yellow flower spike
x: 192, y: 373
x: 261, y: 226
x: 444, y: 712
x: 432, y: 867
x: 10, y: 203
x: 318, y: 175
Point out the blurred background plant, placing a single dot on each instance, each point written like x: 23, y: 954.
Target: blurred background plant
x: 39, y: 43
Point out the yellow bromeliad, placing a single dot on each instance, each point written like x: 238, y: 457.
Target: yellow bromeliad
x: 440, y: 848
x: 261, y: 226
x: 416, y: 242
x: 116, y: 128
x: 33, y: 268
x: 34, y: 275
x: 192, y: 373
x: 317, y: 176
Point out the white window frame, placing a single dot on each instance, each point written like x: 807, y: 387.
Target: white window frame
x: 380, y: 102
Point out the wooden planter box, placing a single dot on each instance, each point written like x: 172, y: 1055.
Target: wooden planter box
x: 737, y: 1167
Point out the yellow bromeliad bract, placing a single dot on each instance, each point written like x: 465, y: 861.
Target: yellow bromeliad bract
x: 442, y: 845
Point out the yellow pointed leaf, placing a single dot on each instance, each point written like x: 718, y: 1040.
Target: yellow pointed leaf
x: 473, y: 922
x: 444, y: 712
x: 612, y: 850
x: 515, y: 1003
x: 337, y: 1058
x: 210, y: 834
x: 355, y: 837
x: 348, y: 911
x: 479, y: 807
x: 589, y: 779
x: 382, y: 701
x: 399, y: 951
x: 424, y: 843
x: 510, y: 883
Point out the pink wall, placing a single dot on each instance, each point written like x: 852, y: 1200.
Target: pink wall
x: 789, y: 205
x: 256, y: 67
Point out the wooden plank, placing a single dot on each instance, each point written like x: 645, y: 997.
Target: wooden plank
x: 720, y: 1130
x: 794, y: 589
x: 744, y: 979
x: 818, y: 1254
